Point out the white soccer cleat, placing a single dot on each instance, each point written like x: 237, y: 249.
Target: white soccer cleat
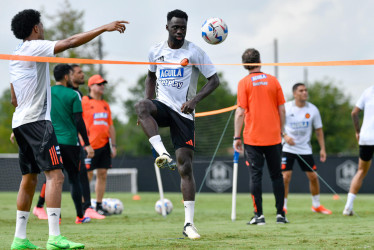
x: 190, y: 231
x: 348, y: 212
x: 165, y: 161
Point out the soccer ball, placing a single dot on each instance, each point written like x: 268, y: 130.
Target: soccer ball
x: 118, y: 206
x: 108, y: 205
x: 168, y: 206
x: 214, y: 30
x: 113, y: 206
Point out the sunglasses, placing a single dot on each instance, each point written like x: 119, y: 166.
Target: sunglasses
x: 100, y: 84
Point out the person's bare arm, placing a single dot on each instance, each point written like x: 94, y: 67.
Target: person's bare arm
x: 85, y: 37
x: 150, y: 84
x: 112, y: 134
x: 356, y: 121
x: 13, y: 96
x: 189, y: 106
x: 238, y: 125
x: 321, y: 142
x: 282, y: 116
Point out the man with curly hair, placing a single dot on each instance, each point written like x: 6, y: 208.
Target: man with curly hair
x: 32, y: 127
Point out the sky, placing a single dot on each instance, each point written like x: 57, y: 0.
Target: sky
x: 306, y: 31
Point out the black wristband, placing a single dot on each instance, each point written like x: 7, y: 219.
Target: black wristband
x: 237, y: 138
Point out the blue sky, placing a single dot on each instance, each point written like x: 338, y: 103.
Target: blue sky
x: 318, y: 30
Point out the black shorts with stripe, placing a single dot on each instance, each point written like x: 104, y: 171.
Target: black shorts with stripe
x: 306, y: 162
x: 182, y: 130
x: 38, y: 147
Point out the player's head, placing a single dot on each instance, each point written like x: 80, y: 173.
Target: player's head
x: 300, y: 92
x: 251, y: 56
x: 96, y: 85
x: 26, y: 22
x: 63, y: 73
x: 177, y: 26
x: 78, y: 76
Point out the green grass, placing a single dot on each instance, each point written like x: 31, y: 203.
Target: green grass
x: 140, y: 227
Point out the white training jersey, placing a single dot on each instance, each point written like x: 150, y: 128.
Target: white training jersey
x: 177, y: 84
x: 299, y: 125
x: 366, y: 103
x: 31, y: 83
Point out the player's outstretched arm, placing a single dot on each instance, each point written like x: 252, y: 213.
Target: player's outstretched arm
x: 209, y: 87
x: 82, y: 38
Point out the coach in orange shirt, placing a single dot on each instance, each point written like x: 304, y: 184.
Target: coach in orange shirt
x: 102, y: 136
x: 261, y: 105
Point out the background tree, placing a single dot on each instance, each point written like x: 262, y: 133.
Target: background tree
x: 65, y: 23
x: 335, y: 109
x: 6, y: 114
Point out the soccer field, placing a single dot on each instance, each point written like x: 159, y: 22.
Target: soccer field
x: 140, y: 227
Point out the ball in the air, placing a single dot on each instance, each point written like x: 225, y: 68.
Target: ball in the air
x: 214, y: 30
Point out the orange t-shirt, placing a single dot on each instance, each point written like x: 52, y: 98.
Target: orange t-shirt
x: 260, y: 94
x: 98, y: 118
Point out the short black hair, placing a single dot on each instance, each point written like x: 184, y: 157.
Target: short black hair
x: 177, y: 13
x: 251, y: 56
x: 61, y: 70
x: 73, y: 66
x: 296, y: 85
x: 24, y: 22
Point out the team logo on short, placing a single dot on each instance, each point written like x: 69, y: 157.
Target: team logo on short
x: 307, y: 115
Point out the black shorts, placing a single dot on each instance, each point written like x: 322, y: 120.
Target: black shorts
x: 366, y: 152
x: 288, y: 160
x: 102, y: 159
x: 38, y: 147
x: 70, y: 158
x: 182, y: 130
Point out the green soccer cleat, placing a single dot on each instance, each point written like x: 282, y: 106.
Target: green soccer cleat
x: 60, y: 242
x: 19, y: 243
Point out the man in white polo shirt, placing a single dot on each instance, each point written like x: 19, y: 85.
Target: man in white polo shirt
x: 301, y: 118
x: 365, y: 138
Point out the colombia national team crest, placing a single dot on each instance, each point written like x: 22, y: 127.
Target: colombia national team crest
x: 307, y: 115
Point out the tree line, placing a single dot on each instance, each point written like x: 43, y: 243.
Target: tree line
x: 333, y: 104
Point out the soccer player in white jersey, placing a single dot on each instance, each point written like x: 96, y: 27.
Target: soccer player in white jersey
x: 174, y: 106
x: 301, y: 118
x: 32, y: 127
x: 365, y: 138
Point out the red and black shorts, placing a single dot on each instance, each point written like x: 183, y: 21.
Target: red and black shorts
x: 38, y: 147
x: 306, y: 162
x: 366, y: 152
x: 182, y: 130
x: 102, y: 159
